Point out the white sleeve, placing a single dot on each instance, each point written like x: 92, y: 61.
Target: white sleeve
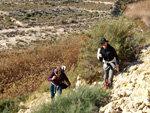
x: 63, y: 67
x: 98, y: 53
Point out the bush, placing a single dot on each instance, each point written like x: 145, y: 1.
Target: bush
x: 28, y: 15
x: 29, y: 68
x: 82, y: 100
x: 12, y: 105
x: 7, y: 106
x: 118, y: 32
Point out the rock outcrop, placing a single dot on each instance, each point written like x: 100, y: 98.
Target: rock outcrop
x: 131, y: 91
x: 79, y: 82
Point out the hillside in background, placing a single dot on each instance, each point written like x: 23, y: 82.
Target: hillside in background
x: 35, y: 22
x: 139, y: 11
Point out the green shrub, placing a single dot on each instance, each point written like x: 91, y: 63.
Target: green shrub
x: 142, y: 39
x: 8, y: 106
x: 12, y: 105
x: 22, y: 98
x: 120, y: 34
x: 82, y: 100
x: 28, y: 15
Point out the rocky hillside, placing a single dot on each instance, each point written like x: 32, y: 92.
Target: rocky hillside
x: 24, y: 24
x: 131, y: 92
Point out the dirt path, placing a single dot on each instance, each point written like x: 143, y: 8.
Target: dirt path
x: 36, y: 28
x: 100, y: 2
x: 18, y: 22
x: 4, y: 13
x: 13, y: 19
x: 91, y: 11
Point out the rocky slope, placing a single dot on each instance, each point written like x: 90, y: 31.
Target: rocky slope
x: 130, y: 94
x: 35, y: 102
x: 131, y: 91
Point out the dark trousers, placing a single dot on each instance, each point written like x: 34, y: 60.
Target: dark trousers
x: 59, y: 88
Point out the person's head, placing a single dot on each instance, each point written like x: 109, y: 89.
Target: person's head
x: 57, y: 71
x: 104, y: 43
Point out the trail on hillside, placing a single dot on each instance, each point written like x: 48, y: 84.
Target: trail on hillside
x: 100, y: 2
x: 4, y: 13
x: 131, y: 92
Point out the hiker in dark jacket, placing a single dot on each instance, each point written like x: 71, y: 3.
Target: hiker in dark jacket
x: 109, y: 57
x: 57, y: 77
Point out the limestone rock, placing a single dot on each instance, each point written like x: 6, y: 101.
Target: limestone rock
x: 24, y: 111
x: 21, y: 104
x: 120, y: 102
x: 126, y: 109
x: 133, y: 68
x: 110, y: 110
x: 79, y: 82
x: 141, y: 106
x: 131, y: 91
x: 128, y: 92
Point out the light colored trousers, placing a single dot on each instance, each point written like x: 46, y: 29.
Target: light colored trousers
x: 108, y: 74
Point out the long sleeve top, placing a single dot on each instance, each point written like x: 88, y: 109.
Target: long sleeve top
x: 58, y: 80
x: 108, y: 54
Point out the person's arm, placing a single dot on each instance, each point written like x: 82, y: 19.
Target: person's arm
x: 101, y: 56
x: 115, y: 55
x: 117, y: 59
x: 67, y: 80
x: 51, y: 76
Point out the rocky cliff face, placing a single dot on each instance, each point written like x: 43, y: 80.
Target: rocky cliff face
x: 131, y: 91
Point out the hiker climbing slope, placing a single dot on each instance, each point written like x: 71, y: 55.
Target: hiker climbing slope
x: 57, y: 77
x: 109, y: 57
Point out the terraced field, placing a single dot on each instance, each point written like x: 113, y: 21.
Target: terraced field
x: 24, y: 23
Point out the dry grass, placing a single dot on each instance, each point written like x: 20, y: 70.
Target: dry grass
x: 140, y: 11
x: 23, y: 71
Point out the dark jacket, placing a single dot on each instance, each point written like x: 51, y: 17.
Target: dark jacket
x: 108, y: 54
x: 58, y: 80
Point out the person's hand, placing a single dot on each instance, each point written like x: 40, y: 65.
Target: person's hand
x: 69, y: 87
x: 100, y: 55
x: 117, y: 67
x: 54, y: 77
